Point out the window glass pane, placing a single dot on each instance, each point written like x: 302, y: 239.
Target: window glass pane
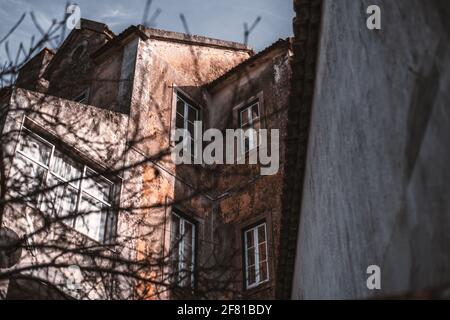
x: 68, y: 201
x: 244, y: 117
x: 188, y: 252
x: 26, y: 179
x: 66, y: 168
x: 255, y: 111
x: 34, y: 148
x: 188, y: 240
x: 60, y: 199
x: 49, y: 201
x: 249, y: 236
x: 180, y: 106
x: 251, y: 275
x: 174, y: 275
x: 247, y: 144
x: 182, y: 255
x: 192, y: 147
x: 82, y: 98
x: 175, y: 227
x: 191, y: 129
x: 97, y: 186
x: 90, y: 219
x: 251, y: 256
x: 250, y: 141
x: 192, y: 114
x: 188, y: 231
x: 263, y: 275
x: 175, y: 238
x: 262, y: 252
x: 179, y: 122
x: 262, y: 233
x: 188, y: 276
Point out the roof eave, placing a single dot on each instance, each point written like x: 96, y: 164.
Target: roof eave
x: 280, y: 44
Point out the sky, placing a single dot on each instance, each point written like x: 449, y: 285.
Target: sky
x: 222, y: 19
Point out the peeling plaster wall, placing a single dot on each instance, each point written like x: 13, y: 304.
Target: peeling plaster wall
x: 198, y: 64
x: 378, y: 168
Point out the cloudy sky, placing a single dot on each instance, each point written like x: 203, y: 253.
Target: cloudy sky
x: 223, y: 19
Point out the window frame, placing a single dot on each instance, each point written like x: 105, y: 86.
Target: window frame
x: 187, y: 103
x: 82, y: 97
x: 183, y: 219
x: 249, y: 125
x: 109, y: 227
x: 254, y: 229
x: 83, y: 46
x: 246, y: 102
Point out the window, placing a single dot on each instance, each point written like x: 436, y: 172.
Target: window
x: 185, y: 117
x: 54, y: 183
x: 183, y: 251
x: 249, y: 119
x: 256, y: 262
x: 79, y: 51
x: 82, y: 97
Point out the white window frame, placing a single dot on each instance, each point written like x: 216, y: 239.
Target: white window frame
x: 79, y: 189
x: 185, y: 115
x: 252, y: 144
x: 258, y: 280
x: 83, y: 97
x: 181, y: 243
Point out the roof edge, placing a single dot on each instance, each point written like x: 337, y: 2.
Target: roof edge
x: 172, y: 36
x: 279, y: 44
x: 84, y: 24
x: 137, y: 30
x: 97, y: 27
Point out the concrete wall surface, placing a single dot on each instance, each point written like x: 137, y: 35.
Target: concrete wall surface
x: 377, y: 185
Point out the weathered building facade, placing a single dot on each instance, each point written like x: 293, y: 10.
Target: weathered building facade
x: 98, y: 116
